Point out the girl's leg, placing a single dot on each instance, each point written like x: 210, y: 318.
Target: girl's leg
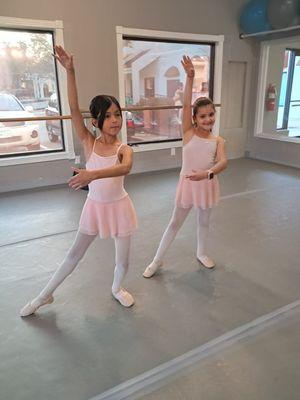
x: 122, y: 246
x: 178, y: 217
x: 203, y: 217
x: 75, y: 254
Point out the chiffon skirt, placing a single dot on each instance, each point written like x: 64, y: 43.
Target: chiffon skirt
x: 199, y: 194
x: 113, y: 219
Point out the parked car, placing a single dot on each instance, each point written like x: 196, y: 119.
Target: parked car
x: 133, y: 122
x: 15, y: 134
x: 54, y: 128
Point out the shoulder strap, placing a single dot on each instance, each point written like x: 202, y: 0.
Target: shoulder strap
x: 118, y: 149
x: 95, y: 143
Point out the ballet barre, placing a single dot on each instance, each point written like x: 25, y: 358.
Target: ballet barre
x: 87, y: 114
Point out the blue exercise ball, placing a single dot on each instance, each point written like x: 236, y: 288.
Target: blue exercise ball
x: 254, y: 17
x: 283, y: 13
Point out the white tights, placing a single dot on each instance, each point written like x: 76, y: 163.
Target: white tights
x: 75, y: 254
x: 178, y: 217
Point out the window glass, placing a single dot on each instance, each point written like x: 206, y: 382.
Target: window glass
x: 288, y: 117
x: 28, y: 88
x: 154, y: 77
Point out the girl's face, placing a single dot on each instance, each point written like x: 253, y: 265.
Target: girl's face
x: 112, y: 121
x: 205, y: 118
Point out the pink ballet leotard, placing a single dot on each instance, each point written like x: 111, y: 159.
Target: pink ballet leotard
x: 108, y: 210
x: 198, y: 153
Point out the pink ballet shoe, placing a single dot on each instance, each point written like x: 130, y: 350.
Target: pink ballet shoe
x: 124, y: 298
x: 152, y: 268
x: 206, y: 261
x: 34, y: 305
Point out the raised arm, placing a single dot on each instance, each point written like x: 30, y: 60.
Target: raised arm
x: 84, y: 177
x: 187, y: 94
x: 66, y: 61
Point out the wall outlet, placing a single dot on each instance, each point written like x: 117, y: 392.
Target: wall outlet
x: 173, y: 151
x: 77, y: 159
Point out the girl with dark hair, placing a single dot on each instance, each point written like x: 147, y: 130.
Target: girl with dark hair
x: 203, y: 157
x: 108, y: 210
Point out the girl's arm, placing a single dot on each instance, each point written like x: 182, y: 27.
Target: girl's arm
x: 219, y: 166
x: 66, y: 60
x: 84, y: 177
x: 187, y: 94
x: 221, y: 157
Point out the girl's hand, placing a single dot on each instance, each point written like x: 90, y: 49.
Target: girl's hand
x: 188, y: 66
x: 82, y: 178
x: 65, y: 59
x: 197, y: 175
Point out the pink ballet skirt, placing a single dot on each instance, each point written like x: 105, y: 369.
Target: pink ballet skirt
x: 113, y: 219
x: 199, y: 194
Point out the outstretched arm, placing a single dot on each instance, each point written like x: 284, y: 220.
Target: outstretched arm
x: 66, y: 61
x: 84, y: 176
x: 187, y: 94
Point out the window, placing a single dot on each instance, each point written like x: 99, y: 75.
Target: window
x: 288, y: 117
x: 277, y: 114
x: 29, y: 89
x: 151, y: 80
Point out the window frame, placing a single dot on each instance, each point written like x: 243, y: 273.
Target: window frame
x: 265, y: 48
x: 57, y: 28
x: 217, y: 40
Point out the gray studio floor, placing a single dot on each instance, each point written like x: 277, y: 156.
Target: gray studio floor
x: 85, y: 343
x: 263, y: 366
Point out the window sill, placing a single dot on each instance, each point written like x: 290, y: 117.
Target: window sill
x: 278, y: 137
x: 155, y: 146
x: 36, y: 158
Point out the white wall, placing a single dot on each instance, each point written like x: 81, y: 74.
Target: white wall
x: 89, y: 32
